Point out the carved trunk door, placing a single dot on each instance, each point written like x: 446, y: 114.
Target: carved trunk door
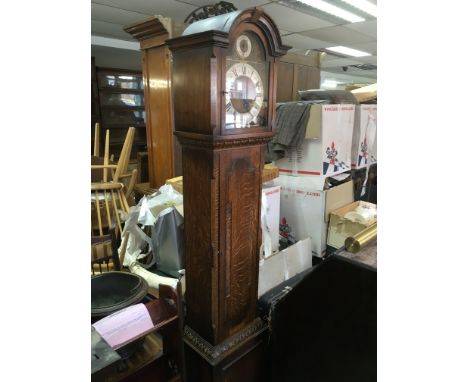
x: 240, y: 184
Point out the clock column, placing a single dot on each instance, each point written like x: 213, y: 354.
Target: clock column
x: 224, y: 339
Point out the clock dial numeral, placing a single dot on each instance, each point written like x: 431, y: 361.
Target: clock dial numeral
x: 245, y: 98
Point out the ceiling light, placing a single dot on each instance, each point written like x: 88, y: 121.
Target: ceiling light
x: 364, y: 6
x: 329, y: 84
x: 333, y: 10
x: 348, y: 51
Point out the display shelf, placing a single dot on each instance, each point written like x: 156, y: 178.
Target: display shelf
x: 121, y: 105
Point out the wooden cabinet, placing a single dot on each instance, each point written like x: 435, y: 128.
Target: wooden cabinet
x: 296, y: 73
x: 164, y: 154
x: 308, y: 77
x: 122, y: 105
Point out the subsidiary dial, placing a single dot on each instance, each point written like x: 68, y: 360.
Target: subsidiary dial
x: 243, y: 46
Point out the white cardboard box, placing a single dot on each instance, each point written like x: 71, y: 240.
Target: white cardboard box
x: 305, y: 207
x: 326, y: 149
x: 364, y: 148
x: 271, y: 205
x: 284, y: 265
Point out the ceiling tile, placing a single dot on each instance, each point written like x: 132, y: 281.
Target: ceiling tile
x: 103, y: 28
x: 299, y: 42
x: 239, y: 4
x: 339, y: 62
x: 292, y: 20
x: 368, y: 28
x: 178, y: 11
x: 115, y: 15
x: 369, y: 47
x: 329, y: 56
x: 368, y: 60
x: 338, y: 35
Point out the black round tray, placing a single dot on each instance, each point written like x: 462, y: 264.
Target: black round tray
x: 113, y: 291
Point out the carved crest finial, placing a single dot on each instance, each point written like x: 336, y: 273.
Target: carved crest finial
x: 209, y: 10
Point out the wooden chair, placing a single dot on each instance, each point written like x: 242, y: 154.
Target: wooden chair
x: 104, y: 255
x: 108, y: 197
x: 97, y: 128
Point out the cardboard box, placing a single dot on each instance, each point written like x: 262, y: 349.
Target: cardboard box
x: 326, y: 149
x: 177, y: 183
x: 340, y: 227
x: 283, y: 265
x: 364, y: 147
x: 305, y: 207
x: 271, y: 212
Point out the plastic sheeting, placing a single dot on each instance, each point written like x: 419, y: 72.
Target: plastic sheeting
x: 164, y: 247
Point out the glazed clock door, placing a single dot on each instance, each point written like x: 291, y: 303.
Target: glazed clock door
x: 247, y: 84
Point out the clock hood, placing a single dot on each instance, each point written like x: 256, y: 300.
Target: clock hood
x: 228, y: 21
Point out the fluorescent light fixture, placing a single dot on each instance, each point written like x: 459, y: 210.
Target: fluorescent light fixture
x: 329, y: 84
x: 333, y: 10
x: 363, y: 5
x: 348, y: 51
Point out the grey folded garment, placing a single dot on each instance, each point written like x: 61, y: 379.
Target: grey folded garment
x: 291, y: 124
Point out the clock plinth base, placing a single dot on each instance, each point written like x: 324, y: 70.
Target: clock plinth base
x: 241, y: 357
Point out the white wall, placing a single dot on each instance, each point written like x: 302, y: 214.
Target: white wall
x: 110, y: 57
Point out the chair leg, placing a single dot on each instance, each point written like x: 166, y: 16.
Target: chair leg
x: 98, y: 212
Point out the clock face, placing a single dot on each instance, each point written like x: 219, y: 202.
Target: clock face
x: 246, y: 88
x: 244, y: 97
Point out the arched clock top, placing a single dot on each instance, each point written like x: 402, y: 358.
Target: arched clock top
x: 228, y: 23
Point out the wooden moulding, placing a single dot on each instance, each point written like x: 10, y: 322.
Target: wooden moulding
x: 215, y: 354
x: 154, y: 26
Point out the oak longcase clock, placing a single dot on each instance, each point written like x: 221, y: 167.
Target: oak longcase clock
x: 224, y: 91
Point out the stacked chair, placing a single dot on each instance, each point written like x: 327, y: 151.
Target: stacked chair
x: 109, y: 202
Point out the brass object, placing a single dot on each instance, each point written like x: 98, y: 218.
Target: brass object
x: 354, y: 243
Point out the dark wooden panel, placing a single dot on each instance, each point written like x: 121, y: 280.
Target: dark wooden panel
x: 239, y: 201
x: 308, y: 77
x: 200, y: 241
x: 248, y: 365
x: 285, y: 82
x: 191, y: 86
